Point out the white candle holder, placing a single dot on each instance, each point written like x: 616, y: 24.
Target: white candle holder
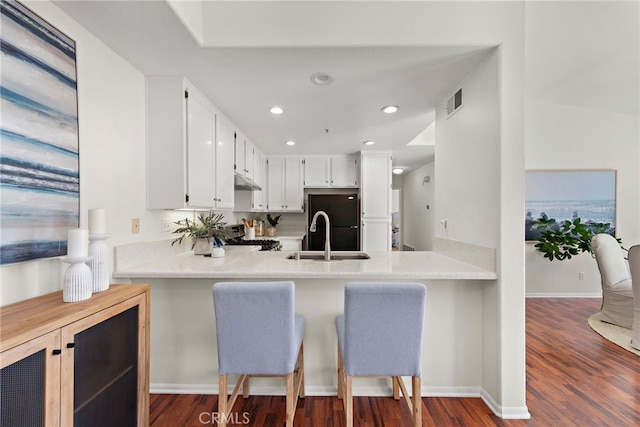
x: 77, y: 285
x: 98, y: 264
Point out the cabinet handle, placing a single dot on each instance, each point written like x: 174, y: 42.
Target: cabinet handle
x: 56, y: 352
x: 71, y: 344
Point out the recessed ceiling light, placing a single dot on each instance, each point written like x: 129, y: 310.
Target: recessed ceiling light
x: 390, y: 109
x: 290, y: 143
x: 397, y: 171
x: 369, y: 142
x: 321, y: 79
x: 276, y: 110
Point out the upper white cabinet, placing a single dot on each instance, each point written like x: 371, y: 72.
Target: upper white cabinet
x: 180, y: 148
x: 224, y: 195
x: 284, y: 184
x: 327, y: 172
x: 317, y: 171
x: 375, y: 193
x: 249, y: 159
x: 344, y: 172
x: 239, y: 157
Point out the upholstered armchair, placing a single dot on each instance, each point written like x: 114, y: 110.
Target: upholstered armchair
x: 617, y: 295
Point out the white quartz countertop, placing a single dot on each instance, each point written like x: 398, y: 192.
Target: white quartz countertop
x: 245, y: 262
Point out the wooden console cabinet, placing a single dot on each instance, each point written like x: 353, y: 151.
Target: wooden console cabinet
x: 76, y: 364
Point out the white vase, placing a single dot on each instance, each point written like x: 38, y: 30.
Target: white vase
x: 203, y: 246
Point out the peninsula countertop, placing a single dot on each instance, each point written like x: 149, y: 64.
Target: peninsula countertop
x: 244, y: 263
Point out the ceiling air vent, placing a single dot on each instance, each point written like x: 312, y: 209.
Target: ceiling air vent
x: 454, y: 103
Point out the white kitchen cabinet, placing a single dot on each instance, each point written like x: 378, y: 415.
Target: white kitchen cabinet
x: 224, y: 191
x: 317, y: 172
x: 284, y: 184
x: 290, y: 243
x: 344, y: 172
x: 180, y: 150
x: 376, y: 235
x: 375, y: 194
x: 331, y: 172
x: 255, y: 200
x: 249, y: 158
x: 259, y: 176
x: 239, y: 156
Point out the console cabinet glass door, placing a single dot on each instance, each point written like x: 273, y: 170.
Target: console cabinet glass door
x: 103, y: 387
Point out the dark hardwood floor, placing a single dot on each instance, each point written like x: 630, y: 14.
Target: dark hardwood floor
x: 574, y: 378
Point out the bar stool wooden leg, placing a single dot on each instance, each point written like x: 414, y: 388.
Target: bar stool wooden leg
x: 301, y: 370
x: 396, y: 387
x: 222, y: 401
x: 340, y: 375
x: 290, y: 400
x: 245, y: 387
x: 348, y: 401
x: 416, y: 397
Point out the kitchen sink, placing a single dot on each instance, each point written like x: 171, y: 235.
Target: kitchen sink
x: 335, y: 255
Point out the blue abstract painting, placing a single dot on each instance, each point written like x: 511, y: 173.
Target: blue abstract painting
x: 39, y: 161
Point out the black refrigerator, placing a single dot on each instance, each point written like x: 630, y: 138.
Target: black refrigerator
x: 344, y: 214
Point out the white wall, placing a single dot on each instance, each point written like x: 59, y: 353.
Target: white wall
x: 111, y: 103
x: 583, y: 114
x: 417, y: 221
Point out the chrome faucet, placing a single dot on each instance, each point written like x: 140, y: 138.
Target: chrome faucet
x: 312, y: 228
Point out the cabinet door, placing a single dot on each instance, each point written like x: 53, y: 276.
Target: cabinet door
x: 224, y: 162
x: 259, y: 178
x: 239, y: 140
x: 376, y: 235
x: 200, y: 151
x: 275, y: 184
x: 249, y: 153
x: 104, y: 365
x: 30, y: 383
x: 376, y: 185
x: 316, y: 172
x: 293, y: 190
x: 344, y: 172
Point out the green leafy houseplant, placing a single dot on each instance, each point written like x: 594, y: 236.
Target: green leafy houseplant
x: 273, y: 220
x: 563, y: 240
x: 207, y: 225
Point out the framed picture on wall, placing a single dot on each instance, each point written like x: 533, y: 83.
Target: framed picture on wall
x: 39, y: 166
x: 568, y: 194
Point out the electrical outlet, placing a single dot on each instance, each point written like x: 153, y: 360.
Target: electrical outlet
x: 135, y: 225
x: 165, y: 224
x: 581, y: 275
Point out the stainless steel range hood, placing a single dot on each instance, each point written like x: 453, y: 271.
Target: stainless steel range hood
x: 242, y: 183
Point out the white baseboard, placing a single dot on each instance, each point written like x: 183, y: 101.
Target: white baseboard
x: 518, y: 413
x: 563, y: 295
x: 505, y: 412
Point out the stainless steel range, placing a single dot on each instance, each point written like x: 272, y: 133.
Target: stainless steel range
x: 235, y: 236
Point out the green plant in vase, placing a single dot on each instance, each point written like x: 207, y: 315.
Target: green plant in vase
x: 273, y: 222
x: 207, y: 228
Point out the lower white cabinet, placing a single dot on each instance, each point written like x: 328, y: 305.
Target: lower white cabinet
x: 290, y: 243
x: 376, y: 235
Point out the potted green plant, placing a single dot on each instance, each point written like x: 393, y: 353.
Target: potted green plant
x: 273, y: 222
x: 563, y: 240
x: 206, y: 231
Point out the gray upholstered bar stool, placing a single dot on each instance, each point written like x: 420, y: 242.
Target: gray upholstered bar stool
x: 380, y: 335
x: 259, y: 334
